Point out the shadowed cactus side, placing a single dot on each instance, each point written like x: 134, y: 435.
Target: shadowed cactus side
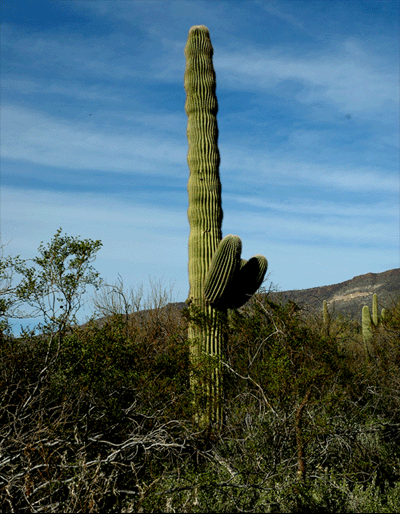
x: 247, y: 279
x: 219, y: 279
x: 231, y: 281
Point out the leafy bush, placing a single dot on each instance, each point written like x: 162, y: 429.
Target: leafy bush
x: 101, y: 419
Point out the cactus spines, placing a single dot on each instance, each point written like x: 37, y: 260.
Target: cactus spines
x: 218, y: 278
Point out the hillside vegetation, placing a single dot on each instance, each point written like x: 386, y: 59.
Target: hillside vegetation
x: 99, y: 417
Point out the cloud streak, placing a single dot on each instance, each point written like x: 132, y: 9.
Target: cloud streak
x: 43, y: 139
x: 94, y: 134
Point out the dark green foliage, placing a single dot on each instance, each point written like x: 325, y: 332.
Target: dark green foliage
x: 103, y: 420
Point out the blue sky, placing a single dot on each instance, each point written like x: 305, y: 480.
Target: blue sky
x: 93, y: 133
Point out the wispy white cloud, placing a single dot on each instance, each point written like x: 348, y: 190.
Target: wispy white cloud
x: 313, y: 189
x: 74, y: 53
x: 319, y: 208
x: 43, y: 139
x: 260, y: 169
x: 74, y: 90
x: 134, y: 235
x: 328, y: 230
x: 278, y: 10
x: 140, y: 238
x: 350, y: 76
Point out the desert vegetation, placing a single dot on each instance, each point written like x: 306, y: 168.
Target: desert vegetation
x: 100, y: 416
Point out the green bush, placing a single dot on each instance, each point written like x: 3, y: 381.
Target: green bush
x: 103, y: 421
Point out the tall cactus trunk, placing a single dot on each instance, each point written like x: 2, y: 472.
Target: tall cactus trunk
x: 375, y: 317
x: 219, y: 279
x: 367, y: 333
x: 205, y: 219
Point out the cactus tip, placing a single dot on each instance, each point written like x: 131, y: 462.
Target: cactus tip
x: 200, y: 28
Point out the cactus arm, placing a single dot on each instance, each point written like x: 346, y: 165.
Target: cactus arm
x: 223, y: 266
x: 247, y: 280
x: 231, y: 281
x: 366, y: 328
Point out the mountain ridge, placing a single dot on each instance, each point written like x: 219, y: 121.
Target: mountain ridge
x: 345, y: 298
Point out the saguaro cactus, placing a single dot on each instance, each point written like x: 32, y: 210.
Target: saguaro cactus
x: 366, y: 328
x: 325, y: 317
x: 375, y: 318
x: 219, y: 279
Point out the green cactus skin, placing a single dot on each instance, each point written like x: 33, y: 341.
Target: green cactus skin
x: 231, y: 281
x: 204, y: 186
x: 375, y: 309
x: 383, y: 314
x: 218, y: 277
x: 223, y: 266
x: 325, y: 312
x: 366, y: 327
x: 205, y: 216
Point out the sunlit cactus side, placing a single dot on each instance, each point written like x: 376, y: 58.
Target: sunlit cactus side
x: 218, y: 278
x: 383, y: 314
x: 205, y: 218
x: 366, y: 326
x: 375, y: 309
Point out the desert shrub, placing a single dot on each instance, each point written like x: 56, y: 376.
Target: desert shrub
x: 103, y: 422
x: 71, y: 430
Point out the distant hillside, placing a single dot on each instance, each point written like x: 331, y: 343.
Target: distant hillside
x: 347, y: 298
